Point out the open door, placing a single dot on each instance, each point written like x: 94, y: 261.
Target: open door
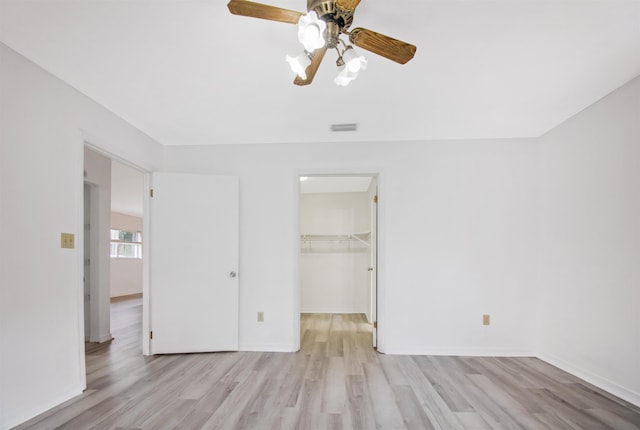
x: 373, y: 268
x: 193, y: 263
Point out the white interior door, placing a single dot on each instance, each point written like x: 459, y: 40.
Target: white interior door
x: 193, y: 263
x: 374, y: 267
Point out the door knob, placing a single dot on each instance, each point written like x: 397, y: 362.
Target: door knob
x: 370, y: 269
x: 233, y: 274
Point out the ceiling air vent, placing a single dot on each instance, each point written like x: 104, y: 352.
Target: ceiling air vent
x: 344, y: 127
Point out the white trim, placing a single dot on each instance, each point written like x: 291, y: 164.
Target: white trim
x: 146, y: 266
x: 332, y: 311
x: 92, y: 142
x: 381, y: 264
x: 460, y: 352
x: 599, y: 381
x: 80, y: 264
x: 366, y: 171
x: 105, y: 338
x: 297, y: 288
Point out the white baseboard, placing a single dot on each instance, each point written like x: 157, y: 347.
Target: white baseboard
x: 100, y: 339
x: 105, y: 338
x: 600, y: 382
x: 330, y: 311
x: 460, y: 352
x: 267, y: 348
x: 13, y: 421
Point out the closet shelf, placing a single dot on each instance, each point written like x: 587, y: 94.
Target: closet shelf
x: 325, y: 240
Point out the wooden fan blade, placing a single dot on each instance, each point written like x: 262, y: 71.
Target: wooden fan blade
x: 258, y: 10
x: 316, y: 59
x: 388, y: 47
x: 347, y: 4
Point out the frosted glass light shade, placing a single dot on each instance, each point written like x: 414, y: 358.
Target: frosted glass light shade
x: 299, y: 64
x: 311, y: 31
x: 353, y: 61
x: 345, y: 76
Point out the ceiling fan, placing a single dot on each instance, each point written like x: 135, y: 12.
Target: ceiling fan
x: 320, y: 29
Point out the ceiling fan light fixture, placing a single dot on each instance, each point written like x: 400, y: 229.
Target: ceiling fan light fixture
x: 345, y: 76
x: 311, y: 31
x: 353, y: 61
x: 299, y: 64
x: 321, y: 29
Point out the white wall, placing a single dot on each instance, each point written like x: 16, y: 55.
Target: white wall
x: 466, y: 228
x: 126, y: 273
x: 43, y: 125
x: 589, y: 212
x: 333, y: 275
x: 456, y: 227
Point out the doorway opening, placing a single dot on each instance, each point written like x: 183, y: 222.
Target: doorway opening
x: 338, y: 227
x: 113, y: 265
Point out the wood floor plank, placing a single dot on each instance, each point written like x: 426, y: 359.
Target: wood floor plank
x: 358, y: 403
x: 506, y: 402
x: 441, y: 382
x: 430, y: 400
x: 413, y: 415
x: 336, y: 381
x: 334, y: 395
x: 382, y: 398
x: 511, y: 382
x: 472, y: 421
x: 566, y: 411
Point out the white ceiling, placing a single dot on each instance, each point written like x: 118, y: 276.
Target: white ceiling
x: 189, y: 72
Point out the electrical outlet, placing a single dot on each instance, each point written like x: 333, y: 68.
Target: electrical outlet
x: 260, y: 316
x: 486, y: 319
x: 67, y: 240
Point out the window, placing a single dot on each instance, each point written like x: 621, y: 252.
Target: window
x: 126, y: 244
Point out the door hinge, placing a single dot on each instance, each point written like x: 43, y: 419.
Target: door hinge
x: 375, y: 324
x: 375, y: 199
x: 151, y: 192
x: 151, y: 334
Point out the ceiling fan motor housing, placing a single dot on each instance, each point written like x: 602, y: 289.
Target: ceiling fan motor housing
x: 337, y: 18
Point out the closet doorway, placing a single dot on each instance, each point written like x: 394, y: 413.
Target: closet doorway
x: 338, y: 253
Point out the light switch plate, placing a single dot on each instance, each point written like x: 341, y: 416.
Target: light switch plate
x: 67, y: 240
x: 486, y: 319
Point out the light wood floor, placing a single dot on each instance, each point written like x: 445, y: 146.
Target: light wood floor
x: 336, y: 381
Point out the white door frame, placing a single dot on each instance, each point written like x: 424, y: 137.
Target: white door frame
x: 376, y: 173
x: 87, y: 143
x: 92, y: 255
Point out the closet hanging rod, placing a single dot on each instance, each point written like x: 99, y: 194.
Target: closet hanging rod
x: 353, y: 236
x: 335, y: 237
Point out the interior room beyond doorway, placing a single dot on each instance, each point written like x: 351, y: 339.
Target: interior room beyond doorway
x: 337, y: 259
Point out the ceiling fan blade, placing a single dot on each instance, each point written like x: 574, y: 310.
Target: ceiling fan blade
x: 258, y: 10
x: 347, y: 4
x: 388, y: 47
x: 316, y: 59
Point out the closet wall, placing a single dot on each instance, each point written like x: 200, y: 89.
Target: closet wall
x: 334, y: 259
x: 126, y: 273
